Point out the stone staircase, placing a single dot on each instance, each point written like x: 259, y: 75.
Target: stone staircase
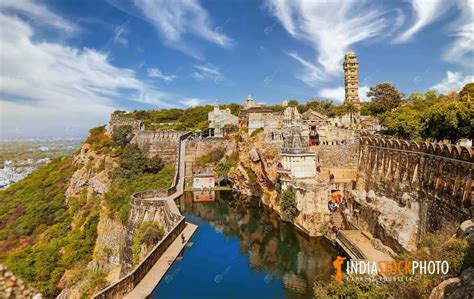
x: 337, y: 219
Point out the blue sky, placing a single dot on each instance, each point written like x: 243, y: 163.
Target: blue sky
x: 65, y: 65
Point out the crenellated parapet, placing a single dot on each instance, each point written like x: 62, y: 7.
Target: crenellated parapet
x: 438, y: 177
x: 450, y: 151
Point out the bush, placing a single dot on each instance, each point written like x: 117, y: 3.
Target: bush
x: 256, y: 132
x: 213, y: 156
x: 122, y: 135
x: 149, y: 233
x: 287, y: 202
x: 226, y: 164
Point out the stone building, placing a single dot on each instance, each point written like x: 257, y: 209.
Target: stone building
x: 218, y: 119
x: 351, y: 66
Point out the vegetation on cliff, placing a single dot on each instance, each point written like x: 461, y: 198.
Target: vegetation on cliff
x: 38, y: 242
x: 287, y: 202
x: 148, y: 235
x: 192, y: 118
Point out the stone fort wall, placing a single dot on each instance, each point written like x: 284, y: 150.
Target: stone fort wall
x: 437, y: 176
x: 161, y: 143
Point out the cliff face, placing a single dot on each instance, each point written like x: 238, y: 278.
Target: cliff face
x: 91, y: 181
x: 256, y: 172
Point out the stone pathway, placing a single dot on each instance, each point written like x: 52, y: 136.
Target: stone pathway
x: 365, y: 246
x: 154, y: 276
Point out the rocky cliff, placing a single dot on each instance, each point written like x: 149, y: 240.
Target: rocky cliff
x: 91, y: 181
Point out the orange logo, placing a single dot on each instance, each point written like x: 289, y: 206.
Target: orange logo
x: 337, y: 264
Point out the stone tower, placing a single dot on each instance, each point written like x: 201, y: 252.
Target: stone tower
x: 351, y: 81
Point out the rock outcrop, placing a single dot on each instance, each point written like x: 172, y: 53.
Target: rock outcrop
x: 12, y: 287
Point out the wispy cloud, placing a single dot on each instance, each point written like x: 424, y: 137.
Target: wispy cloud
x: 462, y: 29
x: 453, y: 81
x: 208, y: 72
x: 330, y: 27
x: 46, y: 87
x: 173, y: 20
x: 38, y: 13
x: 426, y: 12
x: 461, y: 50
x: 156, y: 73
x: 192, y: 102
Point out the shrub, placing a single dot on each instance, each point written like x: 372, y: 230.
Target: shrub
x: 122, y: 135
x: 213, y: 156
x: 149, y: 233
x: 287, y: 202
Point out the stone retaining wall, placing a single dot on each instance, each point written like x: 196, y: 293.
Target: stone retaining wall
x: 130, y: 281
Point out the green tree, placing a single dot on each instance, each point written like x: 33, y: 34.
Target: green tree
x: 404, y: 122
x: 155, y: 164
x: 467, y: 92
x: 122, y: 135
x: 384, y: 97
x: 450, y: 119
x: 288, y: 203
x: 351, y: 109
x: 132, y: 161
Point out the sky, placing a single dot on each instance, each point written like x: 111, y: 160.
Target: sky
x: 66, y: 65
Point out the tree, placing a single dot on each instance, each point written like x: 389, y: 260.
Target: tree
x: 467, y: 92
x: 384, y: 97
x: 293, y: 103
x: 451, y: 119
x: 288, y: 203
x: 122, y: 135
x: 132, y: 161
x: 404, y: 122
x: 351, y: 109
x: 155, y: 164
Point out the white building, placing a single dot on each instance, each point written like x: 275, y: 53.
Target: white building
x: 219, y: 119
x: 204, y: 181
x: 296, y: 156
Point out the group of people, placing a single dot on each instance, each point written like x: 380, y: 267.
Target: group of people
x: 335, y: 202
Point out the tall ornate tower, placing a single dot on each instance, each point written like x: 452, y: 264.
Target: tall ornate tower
x: 351, y: 81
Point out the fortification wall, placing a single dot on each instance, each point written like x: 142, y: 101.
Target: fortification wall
x: 338, y: 156
x: 200, y: 147
x: 161, y: 143
x: 438, y: 177
x: 117, y: 121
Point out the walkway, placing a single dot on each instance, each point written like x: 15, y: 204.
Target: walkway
x: 154, y: 276
x: 359, y: 247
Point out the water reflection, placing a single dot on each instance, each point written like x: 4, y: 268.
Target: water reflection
x: 246, y: 243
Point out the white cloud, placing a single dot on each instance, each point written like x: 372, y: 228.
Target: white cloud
x: 330, y: 27
x: 208, y: 72
x: 39, y: 13
x: 192, y: 102
x: 337, y: 94
x: 156, y: 73
x: 175, y: 19
x: 198, y: 76
x: 461, y: 50
x: 426, y: 11
x: 48, y: 86
x: 454, y: 81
